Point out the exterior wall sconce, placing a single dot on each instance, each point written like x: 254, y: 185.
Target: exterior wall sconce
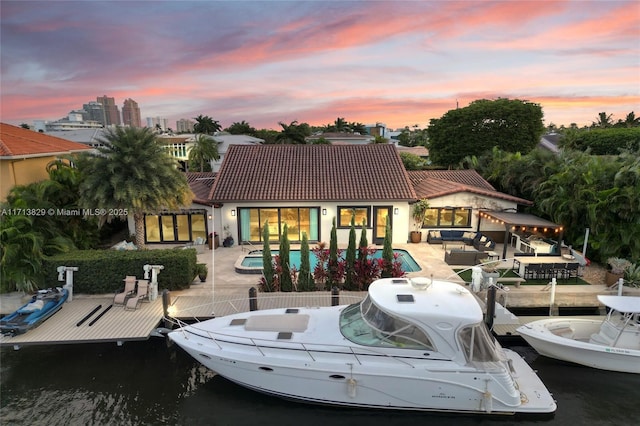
x: 210, y: 217
x: 396, y: 211
x: 324, y: 212
x: 233, y: 212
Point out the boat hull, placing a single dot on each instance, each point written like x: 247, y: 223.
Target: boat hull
x: 568, y: 340
x: 357, y: 376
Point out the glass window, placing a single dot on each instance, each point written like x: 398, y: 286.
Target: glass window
x: 430, y: 218
x: 198, y: 226
x: 345, y: 213
x: 478, y: 345
x: 298, y: 220
x: 447, y: 217
x: 365, y: 324
x: 182, y: 225
x: 168, y: 232
x: 152, y: 228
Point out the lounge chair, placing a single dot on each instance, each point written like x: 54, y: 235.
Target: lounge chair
x: 141, y: 294
x: 121, y: 297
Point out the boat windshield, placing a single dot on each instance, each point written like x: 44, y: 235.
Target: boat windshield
x: 478, y: 345
x: 365, y: 324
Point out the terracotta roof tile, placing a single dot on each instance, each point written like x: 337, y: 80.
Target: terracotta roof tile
x: 18, y: 142
x: 201, y: 184
x: 438, y: 183
x: 312, y: 173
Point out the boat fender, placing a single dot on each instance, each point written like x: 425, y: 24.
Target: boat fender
x: 352, y: 384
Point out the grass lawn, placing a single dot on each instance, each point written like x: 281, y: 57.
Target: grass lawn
x: 510, y: 273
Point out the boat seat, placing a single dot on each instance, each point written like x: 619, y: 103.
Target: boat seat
x: 563, y: 331
x: 599, y: 339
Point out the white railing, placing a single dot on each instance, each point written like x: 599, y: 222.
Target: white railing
x: 220, y: 339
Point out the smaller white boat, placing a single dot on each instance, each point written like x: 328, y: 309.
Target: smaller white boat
x: 610, y: 344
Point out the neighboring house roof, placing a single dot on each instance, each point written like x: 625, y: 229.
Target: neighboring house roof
x: 201, y: 184
x: 438, y: 183
x: 290, y: 172
x: 338, y: 138
x: 420, y: 151
x: 86, y: 136
x: 16, y: 142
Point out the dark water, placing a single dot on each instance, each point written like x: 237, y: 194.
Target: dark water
x: 147, y: 383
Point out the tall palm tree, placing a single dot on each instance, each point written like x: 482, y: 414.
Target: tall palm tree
x: 133, y: 174
x: 293, y: 133
x: 207, y: 125
x: 204, y: 149
x: 631, y: 120
x: 604, y: 120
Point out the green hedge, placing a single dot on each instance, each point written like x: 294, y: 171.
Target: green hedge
x: 103, y: 271
x: 608, y: 141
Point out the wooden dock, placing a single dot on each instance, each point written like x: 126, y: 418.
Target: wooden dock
x: 120, y: 326
x: 115, y: 325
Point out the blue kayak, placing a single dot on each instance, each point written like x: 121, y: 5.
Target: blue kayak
x: 42, y: 306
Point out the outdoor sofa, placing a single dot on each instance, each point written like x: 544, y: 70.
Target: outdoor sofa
x: 464, y: 257
x: 471, y: 238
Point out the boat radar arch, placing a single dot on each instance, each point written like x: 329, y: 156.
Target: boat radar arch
x: 421, y: 283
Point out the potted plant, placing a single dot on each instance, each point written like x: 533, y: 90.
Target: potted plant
x: 202, y: 271
x: 228, y: 239
x: 632, y: 275
x: 417, y: 213
x: 617, y: 268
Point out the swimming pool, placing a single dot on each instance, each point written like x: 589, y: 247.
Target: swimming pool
x: 251, y: 263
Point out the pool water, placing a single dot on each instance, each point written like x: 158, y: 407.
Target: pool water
x: 254, y: 260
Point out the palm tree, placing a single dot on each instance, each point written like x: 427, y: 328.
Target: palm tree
x: 207, y: 125
x: 241, y: 128
x: 631, y: 120
x: 204, y: 149
x: 604, y: 120
x: 132, y: 173
x: 293, y: 133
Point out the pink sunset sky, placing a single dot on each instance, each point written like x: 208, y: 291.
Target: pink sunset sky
x: 397, y: 62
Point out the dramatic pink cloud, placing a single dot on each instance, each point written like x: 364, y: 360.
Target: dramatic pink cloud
x: 397, y: 62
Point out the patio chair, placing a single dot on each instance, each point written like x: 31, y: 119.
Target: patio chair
x: 121, y: 296
x: 571, y: 271
x: 532, y: 271
x: 141, y: 294
x: 559, y: 270
x: 547, y: 271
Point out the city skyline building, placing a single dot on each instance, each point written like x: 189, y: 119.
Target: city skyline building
x: 112, y: 113
x: 184, y: 125
x: 131, y: 113
x: 154, y: 122
x: 94, y: 111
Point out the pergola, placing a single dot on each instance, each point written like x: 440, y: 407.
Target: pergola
x: 518, y: 221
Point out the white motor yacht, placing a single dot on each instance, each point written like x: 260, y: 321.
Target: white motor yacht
x: 610, y: 344
x: 411, y: 344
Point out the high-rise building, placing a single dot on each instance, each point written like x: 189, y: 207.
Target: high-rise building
x: 131, y: 113
x: 94, y: 111
x: 158, y: 123
x: 111, y: 112
x: 184, y: 125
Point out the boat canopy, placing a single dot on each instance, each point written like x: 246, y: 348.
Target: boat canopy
x: 626, y: 304
x: 365, y: 324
